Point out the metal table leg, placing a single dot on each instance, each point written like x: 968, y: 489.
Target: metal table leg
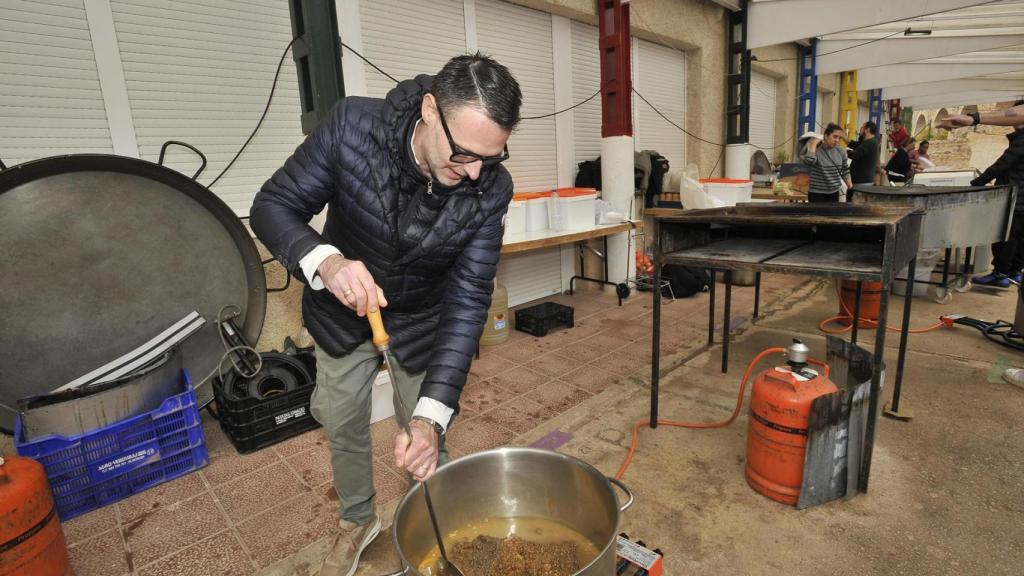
x: 876, y: 389
x: 656, y: 342
x: 894, y: 410
x: 726, y: 321
x: 711, y: 312
x: 856, y: 313
x: 757, y: 294
x: 945, y: 270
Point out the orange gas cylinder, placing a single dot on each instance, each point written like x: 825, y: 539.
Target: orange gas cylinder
x: 31, y: 539
x: 870, y: 303
x: 780, y: 407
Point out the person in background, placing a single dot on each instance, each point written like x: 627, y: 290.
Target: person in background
x: 1008, y: 256
x: 922, y: 150
x: 899, y: 134
x: 864, y: 155
x: 900, y: 168
x: 828, y: 163
x: 920, y: 157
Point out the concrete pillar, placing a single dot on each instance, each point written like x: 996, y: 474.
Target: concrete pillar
x: 617, y: 187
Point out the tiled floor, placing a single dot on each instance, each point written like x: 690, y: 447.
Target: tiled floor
x: 243, y: 513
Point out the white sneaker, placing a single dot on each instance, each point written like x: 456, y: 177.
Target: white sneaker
x: 343, y: 557
x: 1014, y: 376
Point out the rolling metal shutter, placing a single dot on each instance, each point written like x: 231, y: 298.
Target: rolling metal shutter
x: 50, y: 97
x: 762, y: 112
x: 201, y: 72
x: 531, y: 275
x: 409, y: 37
x: 586, y: 79
x: 520, y: 38
x: 660, y: 75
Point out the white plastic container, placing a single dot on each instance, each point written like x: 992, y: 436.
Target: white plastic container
x: 537, y: 214
x: 577, y: 212
x: 730, y: 191
x: 515, y: 221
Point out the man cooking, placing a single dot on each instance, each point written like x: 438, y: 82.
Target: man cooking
x: 415, y: 195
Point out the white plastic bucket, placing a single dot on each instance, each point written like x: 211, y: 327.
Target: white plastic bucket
x: 537, y: 214
x: 515, y: 220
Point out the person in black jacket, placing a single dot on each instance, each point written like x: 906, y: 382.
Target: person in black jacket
x: 864, y: 155
x: 1008, y: 256
x: 416, y: 196
x: 900, y: 167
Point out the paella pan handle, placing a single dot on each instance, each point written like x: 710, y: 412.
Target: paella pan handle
x: 629, y: 493
x: 163, y: 150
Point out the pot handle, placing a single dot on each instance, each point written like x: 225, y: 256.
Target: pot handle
x: 629, y: 493
x: 399, y: 573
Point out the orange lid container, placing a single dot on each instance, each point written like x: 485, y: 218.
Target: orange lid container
x: 573, y: 192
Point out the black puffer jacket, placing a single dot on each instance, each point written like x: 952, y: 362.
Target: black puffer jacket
x: 1009, y: 168
x: 433, y: 250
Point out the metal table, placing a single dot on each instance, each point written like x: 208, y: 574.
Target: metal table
x: 862, y: 243
x: 955, y: 217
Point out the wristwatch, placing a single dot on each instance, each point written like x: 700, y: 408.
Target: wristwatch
x: 437, y: 427
x: 976, y: 117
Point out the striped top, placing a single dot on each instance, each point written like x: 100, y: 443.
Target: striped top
x: 829, y: 169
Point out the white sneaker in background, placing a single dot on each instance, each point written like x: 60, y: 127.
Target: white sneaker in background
x: 1014, y: 376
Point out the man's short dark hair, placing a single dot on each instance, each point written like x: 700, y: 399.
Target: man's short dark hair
x: 871, y: 127
x: 478, y: 80
x: 832, y: 127
x: 923, y: 143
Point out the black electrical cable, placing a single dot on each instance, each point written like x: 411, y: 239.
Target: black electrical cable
x: 592, y: 96
x: 266, y: 109
x: 372, y: 65
x: 720, y: 155
x: 756, y: 59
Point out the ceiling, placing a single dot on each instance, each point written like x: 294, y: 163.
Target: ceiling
x: 957, y: 52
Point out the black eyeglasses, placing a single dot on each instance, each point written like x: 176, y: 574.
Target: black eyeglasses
x: 462, y: 156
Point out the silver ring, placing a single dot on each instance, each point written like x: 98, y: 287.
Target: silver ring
x: 347, y: 293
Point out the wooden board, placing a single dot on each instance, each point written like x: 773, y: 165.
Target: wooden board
x: 835, y: 257
x: 548, y: 238
x: 748, y: 250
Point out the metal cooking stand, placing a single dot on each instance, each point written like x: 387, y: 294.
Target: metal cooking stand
x: 862, y: 243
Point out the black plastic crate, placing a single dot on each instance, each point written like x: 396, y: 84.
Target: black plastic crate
x: 252, y: 423
x: 247, y: 443
x: 539, y: 319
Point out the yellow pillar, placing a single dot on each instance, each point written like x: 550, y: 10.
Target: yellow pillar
x: 848, y: 104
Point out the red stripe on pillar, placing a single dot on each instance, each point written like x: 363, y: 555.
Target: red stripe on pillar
x: 614, y: 44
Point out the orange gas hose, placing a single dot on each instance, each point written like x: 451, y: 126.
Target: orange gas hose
x: 705, y: 425
x: 848, y: 315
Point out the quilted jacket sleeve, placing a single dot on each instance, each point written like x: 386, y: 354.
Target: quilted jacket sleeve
x: 464, y: 310
x: 297, y: 191
x: 1000, y: 167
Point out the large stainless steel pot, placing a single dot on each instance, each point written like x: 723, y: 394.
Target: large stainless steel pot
x: 509, y: 483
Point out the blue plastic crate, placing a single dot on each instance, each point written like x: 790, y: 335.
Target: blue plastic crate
x: 97, y: 468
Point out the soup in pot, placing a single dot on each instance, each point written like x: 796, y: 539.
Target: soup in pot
x: 524, y: 546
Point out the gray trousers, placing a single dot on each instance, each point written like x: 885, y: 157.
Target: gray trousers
x: 341, y: 402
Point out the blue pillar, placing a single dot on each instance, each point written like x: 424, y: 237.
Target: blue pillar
x: 875, y: 106
x: 807, y: 88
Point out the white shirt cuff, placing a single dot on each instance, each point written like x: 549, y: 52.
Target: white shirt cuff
x: 311, y: 261
x: 434, y: 410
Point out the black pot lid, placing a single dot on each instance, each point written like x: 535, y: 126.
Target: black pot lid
x: 100, y: 254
